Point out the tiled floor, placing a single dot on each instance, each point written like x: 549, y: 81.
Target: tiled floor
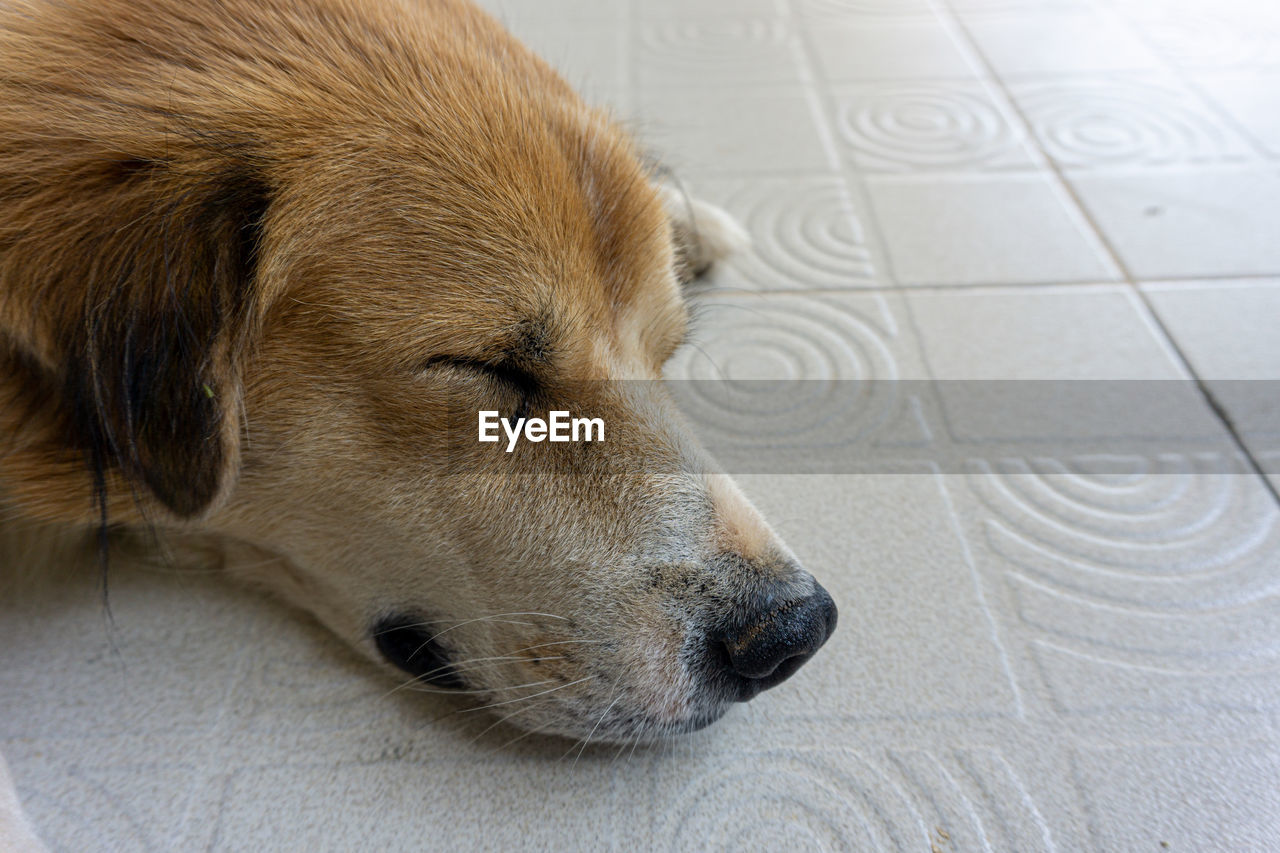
x: 1060, y: 621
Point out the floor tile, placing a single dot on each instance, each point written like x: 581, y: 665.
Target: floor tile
x: 865, y: 10
x: 876, y: 50
x: 1227, y: 331
x: 664, y: 10
x: 909, y: 127
x: 1128, y: 598
x: 1208, y: 35
x: 988, y: 7
x: 519, y: 11
x: 966, y: 798
x: 1157, y: 782
x: 983, y: 230
x: 807, y: 233
x: 1125, y: 120
x: 390, y: 804
x: 1251, y: 98
x: 1058, y: 43
x: 795, y: 383
x: 1046, y: 333
x: 703, y: 131
x: 592, y: 57
x: 1181, y: 224
x: 734, y: 51
x: 1060, y: 365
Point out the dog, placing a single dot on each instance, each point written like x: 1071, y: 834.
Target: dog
x: 262, y: 264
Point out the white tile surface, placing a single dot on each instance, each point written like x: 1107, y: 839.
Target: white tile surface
x: 717, y: 51
x: 1227, y: 332
x: 1226, y: 329
x: 1251, y: 98
x: 1060, y: 615
x: 1047, y: 333
x: 1188, y: 223
x: 1206, y: 34
x: 1058, y: 43
x: 928, y: 126
x: 592, y: 56
x: 865, y: 10
x: 983, y: 230
x: 1059, y: 364
x: 1126, y: 119
x: 754, y: 130
x: 894, y: 50
x: 807, y: 233
x: 663, y: 10
x: 1237, y: 786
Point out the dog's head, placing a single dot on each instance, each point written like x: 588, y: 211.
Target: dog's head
x: 270, y: 297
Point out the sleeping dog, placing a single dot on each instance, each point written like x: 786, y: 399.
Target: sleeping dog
x: 263, y: 263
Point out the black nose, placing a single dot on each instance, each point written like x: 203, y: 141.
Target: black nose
x: 765, y: 649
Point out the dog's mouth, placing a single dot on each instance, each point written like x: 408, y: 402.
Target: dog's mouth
x: 414, y: 646
x: 557, y: 683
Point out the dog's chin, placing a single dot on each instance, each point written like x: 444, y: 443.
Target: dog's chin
x: 617, y: 725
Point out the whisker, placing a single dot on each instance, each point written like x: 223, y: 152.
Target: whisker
x: 429, y: 622
x: 492, y: 617
x: 458, y: 668
x: 526, y: 698
x: 561, y: 643
x: 496, y: 618
x: 587, y: 742
x: 450, y: 692
x: 519, y: 738
x: 502, y: 720
x: 398, y: 688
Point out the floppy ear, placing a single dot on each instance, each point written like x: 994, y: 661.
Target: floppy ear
x: 126, y: 298
x: 702, y: 233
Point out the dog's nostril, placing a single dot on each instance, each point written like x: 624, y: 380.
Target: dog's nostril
x: 409, y: 644
x: 768, y: 649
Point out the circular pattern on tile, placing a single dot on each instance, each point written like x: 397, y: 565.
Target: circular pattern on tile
x: 925, y: 127
x: 1160, y: 572
x: 1110, y: 123
x: 805, y: 235
x: 786, y: 370
x: 792, y: 800
x: 1183, y: 529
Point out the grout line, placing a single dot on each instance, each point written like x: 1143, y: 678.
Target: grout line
x: 1130, y: 279
x: 1214, y: 404
x: 908, y: 289
x: 853, y: 179
x: 933, y: 287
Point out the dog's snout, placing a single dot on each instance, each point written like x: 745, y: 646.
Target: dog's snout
x: 767, y: 647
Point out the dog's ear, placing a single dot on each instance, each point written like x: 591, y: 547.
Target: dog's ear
x: 127, y: 293
x: 702, y: 234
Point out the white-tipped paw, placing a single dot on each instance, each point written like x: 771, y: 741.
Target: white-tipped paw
x: 704, y: 233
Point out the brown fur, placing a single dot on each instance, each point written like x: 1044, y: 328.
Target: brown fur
x: 261, y: 261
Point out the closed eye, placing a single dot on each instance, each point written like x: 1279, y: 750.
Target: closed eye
x: 517, y: 379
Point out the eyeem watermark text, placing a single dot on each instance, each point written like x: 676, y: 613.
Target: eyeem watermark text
x: 558, y: 427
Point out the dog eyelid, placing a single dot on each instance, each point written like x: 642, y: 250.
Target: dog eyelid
x: 519, y: 379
